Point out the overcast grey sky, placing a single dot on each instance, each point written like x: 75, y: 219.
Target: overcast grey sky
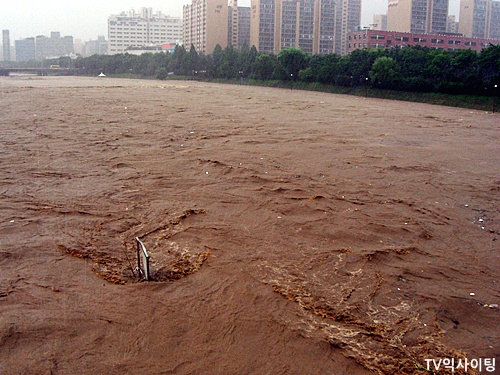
x: 88, y: 19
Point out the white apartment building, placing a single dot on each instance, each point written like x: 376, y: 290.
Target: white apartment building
x: 143, y: 28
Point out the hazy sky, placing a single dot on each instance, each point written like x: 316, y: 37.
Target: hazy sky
x: 88, y: 19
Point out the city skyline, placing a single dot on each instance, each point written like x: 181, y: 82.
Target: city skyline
x: 88, y: 20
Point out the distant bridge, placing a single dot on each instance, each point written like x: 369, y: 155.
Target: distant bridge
x: 41, y: 71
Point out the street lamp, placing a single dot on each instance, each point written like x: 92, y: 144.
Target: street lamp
x: 495, y: 94
x: 291, y: 81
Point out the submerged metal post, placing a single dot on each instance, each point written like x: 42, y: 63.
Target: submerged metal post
x: 142, y: 257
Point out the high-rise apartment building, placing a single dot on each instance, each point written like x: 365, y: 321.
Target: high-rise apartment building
x: 494, y: 21
x: 6, y: 45
x: 379, y: 22
x: 452, y: 25
x: 324, y: 34
x: 348, y: 16
x: 205, y: 25
x: 143, y: 28
x: 417, y: 16
x: 263, y: 25
x: 295, y: 25
x: 480, y: 18
x: 238, y: 26
x: 314, y: 26
x: 243, y: 27
x: 232, y: 23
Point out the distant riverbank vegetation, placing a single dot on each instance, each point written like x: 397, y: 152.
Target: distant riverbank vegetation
x: 458, y: 78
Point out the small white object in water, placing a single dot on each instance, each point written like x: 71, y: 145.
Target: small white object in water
x: 472, y: 294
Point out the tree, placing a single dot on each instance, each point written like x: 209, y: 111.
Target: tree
x: 356, y: 66
x: 246, y: 61
x: 409, y: 69
x: 384, y: 72
x: 439, y: 69
x: 412, y: 62
x: 161, y: 73
x: 177, y: 61
x: 229, y: 68
x: 216, y: 61
x: 191, y: 61
x: 265, y: 66
x: 489, y: 63
x: 465, y: 71
x: 325, y: 68
x: 292, y: 60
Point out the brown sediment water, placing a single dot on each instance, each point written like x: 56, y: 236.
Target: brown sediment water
x: 290, y: 232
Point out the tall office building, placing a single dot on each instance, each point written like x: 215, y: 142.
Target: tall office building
x: 205, y: 25
x: 480, y: 18
x: 417, y: 16
x: 143, y: 28
x: 78, y: 46
x: 6, y: 45
x: 53, y: 46
x: 314, y: 26
x: 95, y: 47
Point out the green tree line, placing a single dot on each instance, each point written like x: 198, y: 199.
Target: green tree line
x: 408, y: 69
